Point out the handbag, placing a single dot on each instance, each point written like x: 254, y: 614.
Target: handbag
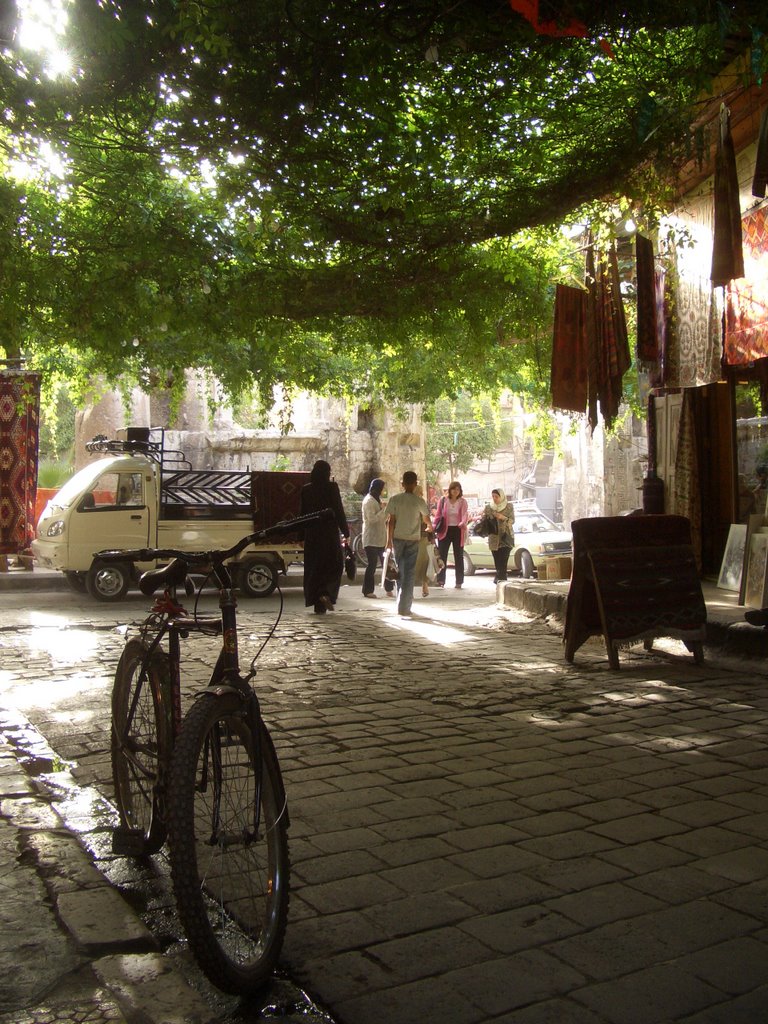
x: 485, y: 526
x: 350, y: 562
x: 440, y: 521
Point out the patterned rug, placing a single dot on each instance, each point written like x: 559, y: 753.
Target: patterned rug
x: 693, y: 334
x: 19, y: 419
x: 746, y: 323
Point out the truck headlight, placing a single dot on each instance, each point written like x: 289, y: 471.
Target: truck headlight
x: 56, y: 528
x: 547, y: 548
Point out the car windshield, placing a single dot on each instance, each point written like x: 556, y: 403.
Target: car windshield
x: 78, y: 483
x: 528, y: 522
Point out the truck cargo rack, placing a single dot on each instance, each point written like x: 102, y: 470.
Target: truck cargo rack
x: 149, y: 441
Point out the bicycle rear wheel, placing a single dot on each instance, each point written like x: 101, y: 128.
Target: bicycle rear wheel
x: 141, y: 743
x: 227, y: 832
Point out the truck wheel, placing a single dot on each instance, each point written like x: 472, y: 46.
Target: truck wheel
x: 76, y: 581
x: 258, y: 578
x: 526, y: 564
x: 108, y: 581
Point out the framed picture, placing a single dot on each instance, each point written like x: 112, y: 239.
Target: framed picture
x: 758, y: 561
x: 733, y: 558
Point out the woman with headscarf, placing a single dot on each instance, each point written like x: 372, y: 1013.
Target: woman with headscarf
x: 323, y: 556
x: 374, y: 537
x: 502, y: 540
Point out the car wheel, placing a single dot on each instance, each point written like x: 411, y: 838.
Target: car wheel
x: 526, y: 564
x: 108, y: 581
x: 258, y: 578
x: 469, y: 565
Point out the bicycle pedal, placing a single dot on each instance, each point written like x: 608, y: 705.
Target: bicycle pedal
x: 128, y: 842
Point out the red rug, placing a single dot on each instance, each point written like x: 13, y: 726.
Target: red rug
x: 746, y: 323
x: 19, y: 420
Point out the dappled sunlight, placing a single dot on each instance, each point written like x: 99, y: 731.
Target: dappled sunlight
x: 435, y: 632
x: 64, y: 646
x: 49, y: 692
x: 73, y: 717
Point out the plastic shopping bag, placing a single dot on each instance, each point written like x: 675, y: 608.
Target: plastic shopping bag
x: 435, y: 563
x: 389, y: 569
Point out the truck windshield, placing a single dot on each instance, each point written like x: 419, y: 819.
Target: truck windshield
x: 77, y: 484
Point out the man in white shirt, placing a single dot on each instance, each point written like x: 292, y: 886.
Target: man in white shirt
x: 405, y: 514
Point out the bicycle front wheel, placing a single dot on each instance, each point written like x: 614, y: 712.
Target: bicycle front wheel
x: 141, y: 742
x: 227, y: 832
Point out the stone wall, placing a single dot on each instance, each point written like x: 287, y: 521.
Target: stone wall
x: 359, y: 443
x: 602, y: 474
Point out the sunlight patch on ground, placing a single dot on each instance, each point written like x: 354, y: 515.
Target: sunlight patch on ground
x: 436, y: 633
x: 64, y: 646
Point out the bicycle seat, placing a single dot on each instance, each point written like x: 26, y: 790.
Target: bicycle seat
x: 172, y: 575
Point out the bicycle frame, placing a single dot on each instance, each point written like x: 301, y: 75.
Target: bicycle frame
x: 169, y: 617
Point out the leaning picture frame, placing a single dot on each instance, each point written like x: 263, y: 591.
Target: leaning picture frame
x: 733, y: 558
x: 756, y: 591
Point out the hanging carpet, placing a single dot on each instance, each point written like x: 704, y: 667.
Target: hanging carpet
x: 569, y: 349
x: 746, y: 320
x: 693, y: 344
x: 19, y: 418
x: 647, y: 316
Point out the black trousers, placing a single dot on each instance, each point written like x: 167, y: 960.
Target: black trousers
x: 375, y: 557
x: 452, y: 537
x: 501, y: 560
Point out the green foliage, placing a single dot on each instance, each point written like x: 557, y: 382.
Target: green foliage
x: 461, y: 431
x: 53, y: 474
x: 57, y: 425
x: 358, y: 198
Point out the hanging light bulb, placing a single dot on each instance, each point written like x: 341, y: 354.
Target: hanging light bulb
x: 629, y: 226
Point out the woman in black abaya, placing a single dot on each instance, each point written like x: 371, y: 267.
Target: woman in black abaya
x: 323, y: 556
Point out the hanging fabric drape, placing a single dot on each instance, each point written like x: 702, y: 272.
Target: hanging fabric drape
x: 569, y: 349
x: 19, y: 421
x: 727, y: 255
x: 590, y: 349
x: 760, y: 179
x: 607, y: 341
x: 686, y: 498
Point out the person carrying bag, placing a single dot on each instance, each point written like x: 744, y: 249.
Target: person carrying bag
x: 501, y: 539
x: 451, y: 530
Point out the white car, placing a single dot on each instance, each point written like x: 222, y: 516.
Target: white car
x: 537, y: 538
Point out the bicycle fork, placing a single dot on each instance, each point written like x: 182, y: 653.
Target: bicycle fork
x: 226, y: 679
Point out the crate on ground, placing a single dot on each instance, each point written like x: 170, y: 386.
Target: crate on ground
x: 557, y: 568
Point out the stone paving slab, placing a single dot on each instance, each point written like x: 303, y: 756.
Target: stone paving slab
x: 480, y: 831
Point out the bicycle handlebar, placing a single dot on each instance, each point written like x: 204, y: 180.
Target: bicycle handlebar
x: 215, y: 557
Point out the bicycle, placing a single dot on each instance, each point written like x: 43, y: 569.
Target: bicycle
x: 210, y: 783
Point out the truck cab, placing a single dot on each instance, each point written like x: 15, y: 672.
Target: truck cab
x: 107, y: 504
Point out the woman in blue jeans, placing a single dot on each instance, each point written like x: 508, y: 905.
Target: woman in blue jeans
x: 374, y: 538
x: 454, y: 512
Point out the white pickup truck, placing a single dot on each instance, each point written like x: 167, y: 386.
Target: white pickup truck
x: 142, y: 495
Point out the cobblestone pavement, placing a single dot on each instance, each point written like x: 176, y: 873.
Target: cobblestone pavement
x: 480, y: 831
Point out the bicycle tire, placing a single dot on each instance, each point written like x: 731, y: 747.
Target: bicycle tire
x: 231, y: 889
x: 141, y: 748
